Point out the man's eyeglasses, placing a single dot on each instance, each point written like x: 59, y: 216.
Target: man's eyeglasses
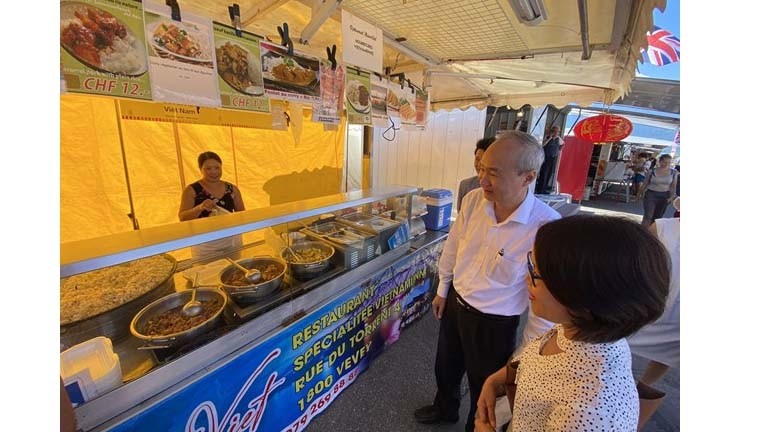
x: 531, y: 270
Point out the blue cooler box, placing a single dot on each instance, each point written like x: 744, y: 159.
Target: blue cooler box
x: 439, y: 203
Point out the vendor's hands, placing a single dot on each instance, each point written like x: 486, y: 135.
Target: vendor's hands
x: 438, y: 306
x: 207, y: 205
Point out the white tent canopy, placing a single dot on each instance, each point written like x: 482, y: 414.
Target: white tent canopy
x: 476, y: 52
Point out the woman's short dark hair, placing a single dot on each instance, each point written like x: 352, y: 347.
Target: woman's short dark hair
x: 483, y: 144
x: 665, y: 156
x: 611, y: 274
x: 204, y: 156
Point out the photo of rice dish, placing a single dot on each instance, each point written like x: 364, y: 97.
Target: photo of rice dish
x: 406, y: 110
x: 99, y: 40
x: 239, y: 68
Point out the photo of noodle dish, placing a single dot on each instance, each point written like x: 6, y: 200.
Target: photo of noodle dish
x: 286, y: 70
x: 100, y: 41
x: 358, y: 96
x: 178, y: 41
x: 239, y: 68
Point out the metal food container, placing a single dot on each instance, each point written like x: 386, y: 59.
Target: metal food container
x: 383, y: 227
x: 177, y: 300
x: 356, y: 246
x: 245, y: 294
x: 308, y: 270
x: 115, y: 323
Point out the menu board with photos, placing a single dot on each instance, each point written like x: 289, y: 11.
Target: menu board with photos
x: 294, y: 78
x: 379, y: 89
x: 357, y: 91
x: 102, y: 48
x: 182, y: 66
x: 238, y: 64
x: 332, y: 87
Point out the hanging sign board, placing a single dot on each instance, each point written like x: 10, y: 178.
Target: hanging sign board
x: 182, y: 64
x: 191, y: 114
x: 332, y: 87
x: 379, y: 89
x: 294, y: 78
x: 113, y: 63
x: 363, y: 43
x: 238, y: 64
x: 358, y: 96
x: 603, y: 128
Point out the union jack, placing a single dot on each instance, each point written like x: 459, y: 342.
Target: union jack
x: 663, y: 48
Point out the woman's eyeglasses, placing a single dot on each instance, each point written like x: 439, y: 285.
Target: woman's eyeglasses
x: 531, y: 269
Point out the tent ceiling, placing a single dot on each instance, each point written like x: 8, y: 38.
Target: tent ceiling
x: 449, y: 42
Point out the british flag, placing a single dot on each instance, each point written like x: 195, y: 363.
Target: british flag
x: 663, y: 48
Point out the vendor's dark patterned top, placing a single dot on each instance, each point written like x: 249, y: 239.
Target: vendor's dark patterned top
x: 588, y: 387
x: 227, y: 200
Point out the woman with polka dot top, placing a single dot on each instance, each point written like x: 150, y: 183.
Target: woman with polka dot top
x: 600, y: 279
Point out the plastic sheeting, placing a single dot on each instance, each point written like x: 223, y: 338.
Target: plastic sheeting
x: 269, y: 167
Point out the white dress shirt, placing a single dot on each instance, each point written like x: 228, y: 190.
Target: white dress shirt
x: 487, y: 260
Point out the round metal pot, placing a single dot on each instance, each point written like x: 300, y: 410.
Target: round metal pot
x: 114, y: 323
x: 245, y: 294
x: 177, y: 300
x: 308, y: 270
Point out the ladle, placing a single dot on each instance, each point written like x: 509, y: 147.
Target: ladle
x: 192, y: 307
x: 252, y: 275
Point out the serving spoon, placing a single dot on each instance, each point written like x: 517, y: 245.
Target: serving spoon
x: 252, y: 275
x: 192, y: 307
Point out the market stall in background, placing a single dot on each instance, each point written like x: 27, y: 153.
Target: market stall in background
x: 317, y: 124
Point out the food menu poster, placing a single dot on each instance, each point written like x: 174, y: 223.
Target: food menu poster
x: 289, y: 379
x: 182, y: 66
x: 421, y: 104
x: 294, y: 78
x: 357, y: 91
x: 379, y: 89
x: 238, y: 65
x: 332, y: 88
x: 103, y: 49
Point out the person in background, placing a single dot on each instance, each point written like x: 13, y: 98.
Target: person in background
x: 473, y: 182
x: 600, y: 279
x: 481, y: 293
x: 660, y: 341
x: 658, y: 190
x: 641, y: 167
x: 552, y: 146
x: 210, y: 196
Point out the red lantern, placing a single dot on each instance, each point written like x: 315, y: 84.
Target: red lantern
x: 603, y: 128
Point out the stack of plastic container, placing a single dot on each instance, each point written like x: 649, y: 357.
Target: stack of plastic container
x: 90, y: 369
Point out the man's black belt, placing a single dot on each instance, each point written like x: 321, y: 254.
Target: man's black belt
x: 466, y: 306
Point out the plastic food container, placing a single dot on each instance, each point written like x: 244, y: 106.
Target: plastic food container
x: 90, y: 369
x: 439, y: 202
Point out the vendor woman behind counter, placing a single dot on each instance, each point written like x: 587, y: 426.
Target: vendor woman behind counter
x: 210, y: 196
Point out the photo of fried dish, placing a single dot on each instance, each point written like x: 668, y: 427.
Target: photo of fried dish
x: 392, y: 101
x: 287, y: 70
x: 174, y: 41
x: 358, y: 96
x: 406, y: 110
x: 239, y: 68
x: 100, y: 41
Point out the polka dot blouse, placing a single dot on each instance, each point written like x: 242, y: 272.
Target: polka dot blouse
x: 588, y: 387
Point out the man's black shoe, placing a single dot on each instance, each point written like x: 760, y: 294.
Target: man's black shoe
x: 431, y: 414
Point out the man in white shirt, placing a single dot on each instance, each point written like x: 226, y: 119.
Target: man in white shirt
x: 482, y: 289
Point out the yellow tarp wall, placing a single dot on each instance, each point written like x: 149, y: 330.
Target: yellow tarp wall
x: 268, y: 166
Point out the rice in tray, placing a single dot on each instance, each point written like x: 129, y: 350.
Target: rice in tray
x: 86, y: 295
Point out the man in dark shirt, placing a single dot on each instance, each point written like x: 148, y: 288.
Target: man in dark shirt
x: 552, y: 145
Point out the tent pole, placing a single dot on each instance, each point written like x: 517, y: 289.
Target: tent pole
x: 178, y: 153
x: 132, y: 214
